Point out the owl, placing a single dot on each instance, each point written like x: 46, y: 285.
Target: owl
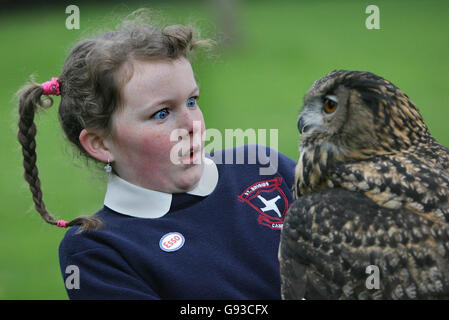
x: 370, y: 219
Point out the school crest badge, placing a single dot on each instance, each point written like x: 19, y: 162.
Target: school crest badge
x: 268, y: 200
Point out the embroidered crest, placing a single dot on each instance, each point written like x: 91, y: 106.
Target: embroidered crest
x: 269, y: 201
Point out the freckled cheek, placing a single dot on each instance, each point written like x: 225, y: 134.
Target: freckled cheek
x: 143, y: 150
x: 156, y: 149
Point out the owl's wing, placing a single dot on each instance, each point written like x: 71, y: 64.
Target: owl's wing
x: 331, y: 237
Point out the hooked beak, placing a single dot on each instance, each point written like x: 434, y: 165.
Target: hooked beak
x: 302, y: 127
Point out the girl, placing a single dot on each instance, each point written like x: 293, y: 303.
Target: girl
x: 173, y: 225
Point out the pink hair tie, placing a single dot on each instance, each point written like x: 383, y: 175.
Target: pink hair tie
x: 62, y: 223
x: 51, y: 87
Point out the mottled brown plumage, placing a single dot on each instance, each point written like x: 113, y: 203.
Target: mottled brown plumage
x: 372, y: 188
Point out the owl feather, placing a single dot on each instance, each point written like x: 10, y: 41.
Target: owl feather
x: 371, y: 189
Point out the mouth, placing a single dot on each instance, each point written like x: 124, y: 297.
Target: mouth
x: 192, y: 157
x: 303, y: 127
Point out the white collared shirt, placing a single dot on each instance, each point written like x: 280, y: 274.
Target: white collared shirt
x: 129, y: 199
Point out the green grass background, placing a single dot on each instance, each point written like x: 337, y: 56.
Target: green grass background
x: 257, y: 83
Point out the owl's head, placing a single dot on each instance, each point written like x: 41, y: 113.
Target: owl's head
x: 358, y: 113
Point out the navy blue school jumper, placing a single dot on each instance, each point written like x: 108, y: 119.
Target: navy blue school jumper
x: 219, y: 241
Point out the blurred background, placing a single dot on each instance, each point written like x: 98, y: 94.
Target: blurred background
x: 269, y: 54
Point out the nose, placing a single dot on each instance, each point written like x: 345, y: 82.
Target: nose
x: 191, y: 121
x: 185, y: 120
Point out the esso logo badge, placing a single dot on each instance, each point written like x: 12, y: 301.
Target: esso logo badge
x: 171, y: 241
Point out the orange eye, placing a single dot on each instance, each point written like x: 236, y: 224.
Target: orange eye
x: 329, y: 105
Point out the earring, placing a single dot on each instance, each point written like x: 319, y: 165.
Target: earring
x: 108, y: 167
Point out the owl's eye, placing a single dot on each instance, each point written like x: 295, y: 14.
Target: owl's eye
x: 329, y: 104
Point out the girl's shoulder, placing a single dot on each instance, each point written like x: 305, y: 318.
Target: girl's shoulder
x: 76, y: 241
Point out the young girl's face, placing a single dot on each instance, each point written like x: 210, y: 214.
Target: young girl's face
x: 160, y: 97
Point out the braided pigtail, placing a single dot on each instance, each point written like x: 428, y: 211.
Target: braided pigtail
x: 30, y: 98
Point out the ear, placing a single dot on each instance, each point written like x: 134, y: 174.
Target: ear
x: 95, y: 145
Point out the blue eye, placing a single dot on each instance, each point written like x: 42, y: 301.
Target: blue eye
x: 161, y: 115
x: 191, y: 102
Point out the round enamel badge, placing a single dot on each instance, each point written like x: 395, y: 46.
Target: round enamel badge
x: 171, y: 241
